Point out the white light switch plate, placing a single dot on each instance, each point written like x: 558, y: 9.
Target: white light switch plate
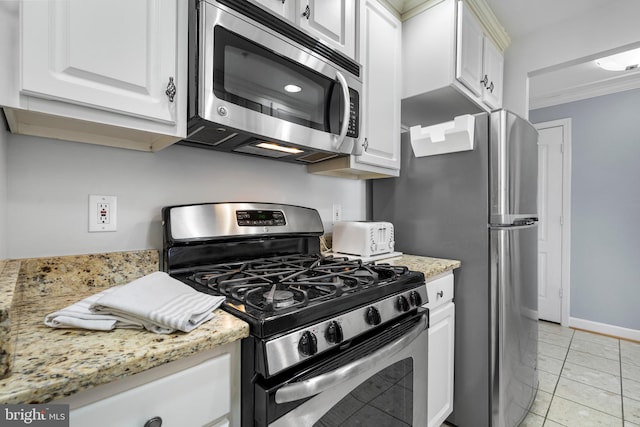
x: 102, y: 213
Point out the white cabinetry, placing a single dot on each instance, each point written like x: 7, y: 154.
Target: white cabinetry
x: 201, y: 390
x: 450, y: 66
x: 479, y: 63
x: 332, y: 21
x: 441, y: 349
x: 380, y: 49
x: 112, y: 73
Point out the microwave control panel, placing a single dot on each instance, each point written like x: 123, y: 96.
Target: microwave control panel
x: 354, y: 114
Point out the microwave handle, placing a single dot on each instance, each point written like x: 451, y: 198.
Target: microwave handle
x: 311, y: 387
x: 339, y: 139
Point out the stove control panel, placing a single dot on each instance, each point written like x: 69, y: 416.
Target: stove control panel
x: 294, y: 347
x: 257, y: 218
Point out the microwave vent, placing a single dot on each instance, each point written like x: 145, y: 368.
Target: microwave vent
x: 316, y: 157
x: 212, y: 136
x: 252, y: 149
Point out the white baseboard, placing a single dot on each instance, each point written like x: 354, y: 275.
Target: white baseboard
x: 603, y: 328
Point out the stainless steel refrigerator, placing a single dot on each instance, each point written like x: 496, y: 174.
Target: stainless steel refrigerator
x: 478, y: 206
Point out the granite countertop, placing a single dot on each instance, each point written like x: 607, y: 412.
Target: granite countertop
x: 48, y: 364
x: 431, y: 267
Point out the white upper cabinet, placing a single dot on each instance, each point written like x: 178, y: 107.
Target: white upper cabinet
x: 450, y: 66
x: 281, y: 8
x: 110, y: 73
x: 332, y: 21
x: 380, y: 50
x: 479, y: 63
x: 493, y: 66
x: 117, y: 55
x: 469, y: 51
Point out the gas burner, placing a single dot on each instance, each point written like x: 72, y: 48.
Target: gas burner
x: 279, y: 299
x: 282, y: 282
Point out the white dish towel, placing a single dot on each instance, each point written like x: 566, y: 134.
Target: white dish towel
x: 156, y: 302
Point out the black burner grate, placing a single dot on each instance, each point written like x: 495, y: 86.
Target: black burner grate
x: 276, y: 283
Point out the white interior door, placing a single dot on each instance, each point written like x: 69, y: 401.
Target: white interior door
x: 552, y: 201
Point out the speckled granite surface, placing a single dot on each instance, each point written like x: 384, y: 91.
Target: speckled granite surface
x: 8, y: 278
x: 429, y: 266
x: 52, y: 363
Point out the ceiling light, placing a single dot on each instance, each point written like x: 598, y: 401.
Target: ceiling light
x: 622, y: 61
x: 272, y: 146
x: 292, y: 88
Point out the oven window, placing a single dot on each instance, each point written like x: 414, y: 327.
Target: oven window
x: 257, y: 78
x: 385, y: 399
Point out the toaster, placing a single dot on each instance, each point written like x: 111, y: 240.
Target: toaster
x: 363, y: 238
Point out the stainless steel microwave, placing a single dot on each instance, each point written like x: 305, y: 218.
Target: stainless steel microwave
x: 258, y: 85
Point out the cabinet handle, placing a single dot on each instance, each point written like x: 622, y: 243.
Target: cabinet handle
x: 440, y: 294
x: 153, y: 422
x: 491, y: 87
x: 307, y: 12
x: 485, y: 80
x: 171, y: 89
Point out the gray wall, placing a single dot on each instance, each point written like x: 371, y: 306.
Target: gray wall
x: 49, y: 182
x: 605, y: 206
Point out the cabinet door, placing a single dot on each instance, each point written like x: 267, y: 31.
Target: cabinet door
x: 113, y: 55
x: 282, y: 8
x: 441, y: 352
x: 493, y: 66
x: 380, y: 48
x: 332, y: 21
x: 196, y: 396
x: 469, y: 50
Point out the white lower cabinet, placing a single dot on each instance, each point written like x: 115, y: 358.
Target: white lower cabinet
x: 441, y: 349
x: 200, y: 391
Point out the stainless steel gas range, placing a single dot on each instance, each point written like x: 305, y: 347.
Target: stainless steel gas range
x: 332, y: 341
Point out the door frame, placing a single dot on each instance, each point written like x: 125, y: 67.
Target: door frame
x: 565, y: 279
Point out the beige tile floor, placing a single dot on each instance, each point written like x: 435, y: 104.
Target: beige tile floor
x: 585, y: 380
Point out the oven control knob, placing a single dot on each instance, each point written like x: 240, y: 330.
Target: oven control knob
x: 402, y: 304
x: 373, y: 316
x: 308, y: 344
x: 415, y: 298
x: 333, y: 334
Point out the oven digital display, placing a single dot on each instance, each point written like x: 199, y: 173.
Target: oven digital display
x: 260, y: 218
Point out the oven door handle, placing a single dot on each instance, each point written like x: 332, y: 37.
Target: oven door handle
x: 339, y: 139
x: 312, y: 386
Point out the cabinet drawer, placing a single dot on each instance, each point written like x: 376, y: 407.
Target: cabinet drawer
x: 440, y: 291
x: 193, y: 397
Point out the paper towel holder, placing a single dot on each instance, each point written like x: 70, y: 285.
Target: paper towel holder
x: 448, y: 137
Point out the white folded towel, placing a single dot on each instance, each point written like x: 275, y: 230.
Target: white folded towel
x: 79, y: 315
x: 157, y: 302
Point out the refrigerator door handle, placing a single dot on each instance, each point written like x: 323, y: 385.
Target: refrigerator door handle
x: 525, y: 221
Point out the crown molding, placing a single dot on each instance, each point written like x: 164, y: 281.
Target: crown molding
x: 406, y: 9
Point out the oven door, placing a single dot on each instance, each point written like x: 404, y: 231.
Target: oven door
x: 380, y: 381
x: 254, y: 80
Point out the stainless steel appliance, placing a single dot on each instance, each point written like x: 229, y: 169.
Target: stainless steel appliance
x: 479, y: 206
x: 260, y: 86
x: 332, y: 341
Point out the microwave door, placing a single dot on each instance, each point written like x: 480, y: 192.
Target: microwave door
x: 257, y: 84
